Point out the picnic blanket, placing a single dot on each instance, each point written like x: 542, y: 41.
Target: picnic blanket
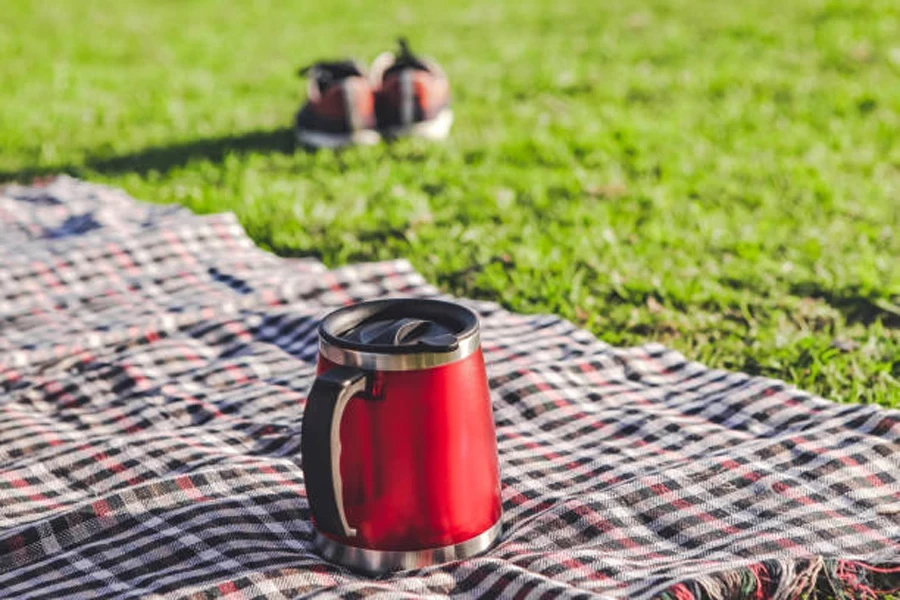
x: 153, y: 372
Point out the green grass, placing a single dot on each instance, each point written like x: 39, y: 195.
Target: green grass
x: 722, y: 177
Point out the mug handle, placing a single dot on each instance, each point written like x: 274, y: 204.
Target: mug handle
x: 320, y: 445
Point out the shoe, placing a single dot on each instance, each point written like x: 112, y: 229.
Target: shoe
x: 412, y: 95
x: 340, y: 107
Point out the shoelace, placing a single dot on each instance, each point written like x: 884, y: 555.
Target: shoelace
x: 326, y: 73
x: 406, y: 59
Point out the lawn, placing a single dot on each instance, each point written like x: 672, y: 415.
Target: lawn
x: 722, y: 177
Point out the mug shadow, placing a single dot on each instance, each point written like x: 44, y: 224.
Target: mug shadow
x: 167, y: 157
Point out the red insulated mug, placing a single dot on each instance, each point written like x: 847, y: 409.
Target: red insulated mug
x: 398, y: 443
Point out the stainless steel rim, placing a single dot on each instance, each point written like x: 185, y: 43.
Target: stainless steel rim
x: 374, y: 361
x: 379, y: 561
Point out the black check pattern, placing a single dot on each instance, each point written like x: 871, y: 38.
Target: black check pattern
x: 153, y: 372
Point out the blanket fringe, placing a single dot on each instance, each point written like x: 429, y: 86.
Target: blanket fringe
x: 793, y: 579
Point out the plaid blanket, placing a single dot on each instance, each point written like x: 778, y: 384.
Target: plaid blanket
x: 153, y: 372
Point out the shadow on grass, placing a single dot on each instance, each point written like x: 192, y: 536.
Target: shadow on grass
x: 165, y: 158
x: 852, y: 303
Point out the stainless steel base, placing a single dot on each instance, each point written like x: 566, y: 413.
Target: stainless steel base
x: 380, y: 561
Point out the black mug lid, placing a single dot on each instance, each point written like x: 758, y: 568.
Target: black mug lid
x: 400, y: 326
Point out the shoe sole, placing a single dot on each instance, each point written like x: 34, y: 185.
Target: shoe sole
x: 320, y: 139
x: 435, y: 129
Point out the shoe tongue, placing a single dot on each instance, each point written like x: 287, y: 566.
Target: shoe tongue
x: 327, y: 73
x: 340, y: 68
x: 405, y: 59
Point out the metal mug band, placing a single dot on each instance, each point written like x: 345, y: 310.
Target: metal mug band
x: 380, y: 561
x: 373, y: 361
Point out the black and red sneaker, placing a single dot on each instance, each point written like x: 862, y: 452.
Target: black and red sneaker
x: 412, y: 95
x: 340, y: 107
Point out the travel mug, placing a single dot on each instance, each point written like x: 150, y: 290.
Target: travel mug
x: 398, y: 445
